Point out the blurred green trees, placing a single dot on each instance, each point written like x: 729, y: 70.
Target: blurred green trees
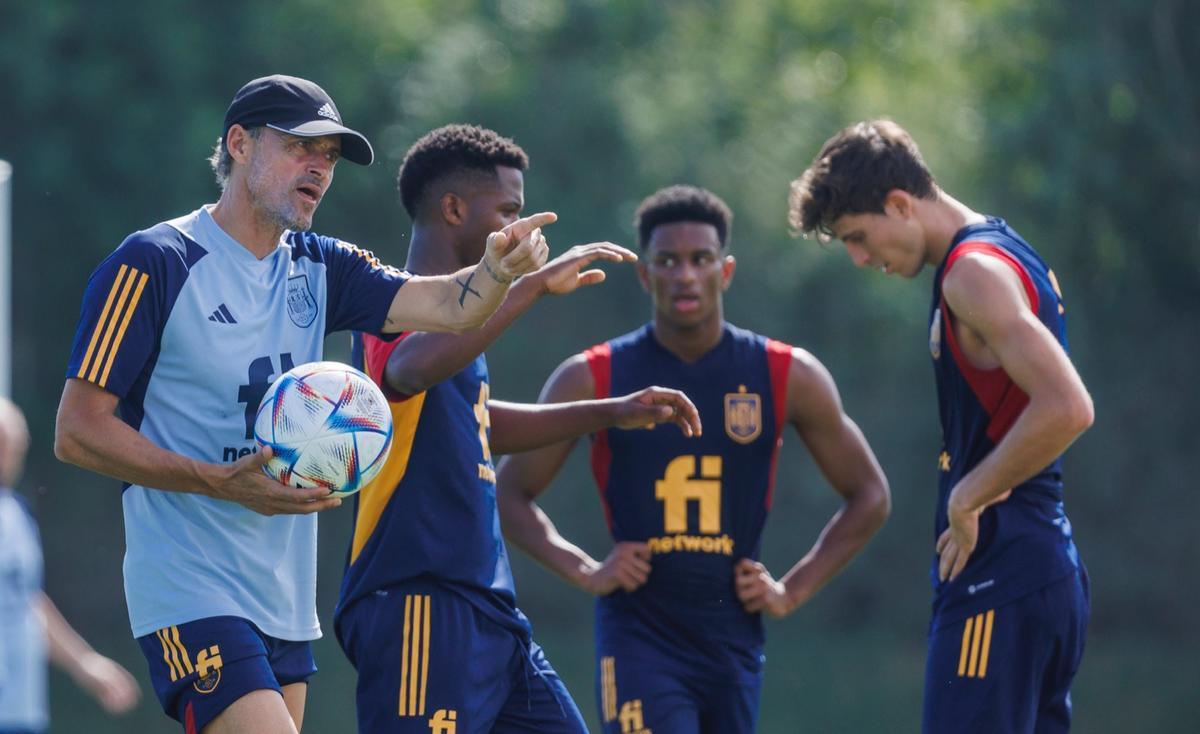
x: 1079, y: 122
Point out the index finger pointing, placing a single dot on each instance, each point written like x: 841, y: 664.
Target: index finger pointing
x: 521, y: 228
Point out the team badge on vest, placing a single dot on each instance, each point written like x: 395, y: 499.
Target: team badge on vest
x: 743, y: 415
x: 935, y: 334
x: 302, y: 307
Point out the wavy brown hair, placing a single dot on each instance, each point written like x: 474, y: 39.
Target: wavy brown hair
x: 853, y: 174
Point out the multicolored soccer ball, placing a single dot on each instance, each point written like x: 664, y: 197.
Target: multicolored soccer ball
x: 328, y: 425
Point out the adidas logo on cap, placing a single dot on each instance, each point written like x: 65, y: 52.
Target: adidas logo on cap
x: 327, y: 111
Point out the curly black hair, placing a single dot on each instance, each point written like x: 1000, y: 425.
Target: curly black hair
x: 450, y: 150
x: 682, y: 203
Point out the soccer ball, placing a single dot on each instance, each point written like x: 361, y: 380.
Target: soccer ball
x: 328, y: 425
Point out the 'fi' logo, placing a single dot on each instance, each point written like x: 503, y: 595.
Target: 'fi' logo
x: 631, y: 718
x: 208, y: 670
x: 444, y: 722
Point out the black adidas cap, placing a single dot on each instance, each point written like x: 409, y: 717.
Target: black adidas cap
x: 296, y: 106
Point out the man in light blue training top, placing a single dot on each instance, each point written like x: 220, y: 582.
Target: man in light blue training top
x: 182, y: 330
x: 31, y: 628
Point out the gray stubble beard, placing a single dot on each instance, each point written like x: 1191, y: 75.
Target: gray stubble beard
x: 280, y: 217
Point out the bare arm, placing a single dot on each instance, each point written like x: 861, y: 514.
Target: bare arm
x: 987, y: 298
x: 89, y: 435
x: 841, y: 452
x: 520, y: 427
x: 109, y: 683
x: 464, y: 300
x: 522, y: 478
x: 424, y: 359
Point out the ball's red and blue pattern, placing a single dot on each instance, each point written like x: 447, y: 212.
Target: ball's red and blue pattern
x: 328, y: 426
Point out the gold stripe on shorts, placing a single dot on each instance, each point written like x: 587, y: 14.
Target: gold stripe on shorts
x: 414, y: 655
x: 175, y: 655
x: 608, y: 687
x: 976, y: 645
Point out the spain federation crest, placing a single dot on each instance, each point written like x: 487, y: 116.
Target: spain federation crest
x: 301, y: 306
x: 743, y: 415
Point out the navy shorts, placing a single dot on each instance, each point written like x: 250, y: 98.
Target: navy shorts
x: 199, y: 668
x: 642, y: 688
x: 1009, y: 670
x: 430, y: 662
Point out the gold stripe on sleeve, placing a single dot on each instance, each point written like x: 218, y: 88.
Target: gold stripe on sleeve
x: 112, y: 292
x: 112, y: 354
x: 112, y: 323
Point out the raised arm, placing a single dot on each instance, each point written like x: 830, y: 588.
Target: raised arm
x: 841, y: 452
x: 424, y: 359
x: 464, y: 300
x: 522, y: 478
x: 987, y: 298
x: 89, y: 435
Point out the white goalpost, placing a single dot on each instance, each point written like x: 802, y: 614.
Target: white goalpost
x: 6, y: 345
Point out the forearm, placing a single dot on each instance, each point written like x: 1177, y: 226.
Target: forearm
x: 531, y: 530
x: 518, y: 427
x: 453, y: 303
x: 483, y: 290
x: 424, y: 359
x: 65, y: 646
x: 843, y: 537
x: 1040, y: 435
x: 107, y: 445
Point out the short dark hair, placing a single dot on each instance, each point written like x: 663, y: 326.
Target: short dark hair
x: 449, y: 150
x: 682, y: 203
x: 222, y: 162
x: 853, y: 174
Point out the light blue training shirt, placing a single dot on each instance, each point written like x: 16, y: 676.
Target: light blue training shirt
x: 188, y: 329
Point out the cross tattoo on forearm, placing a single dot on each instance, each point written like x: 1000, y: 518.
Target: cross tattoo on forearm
x: 466, y: 288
